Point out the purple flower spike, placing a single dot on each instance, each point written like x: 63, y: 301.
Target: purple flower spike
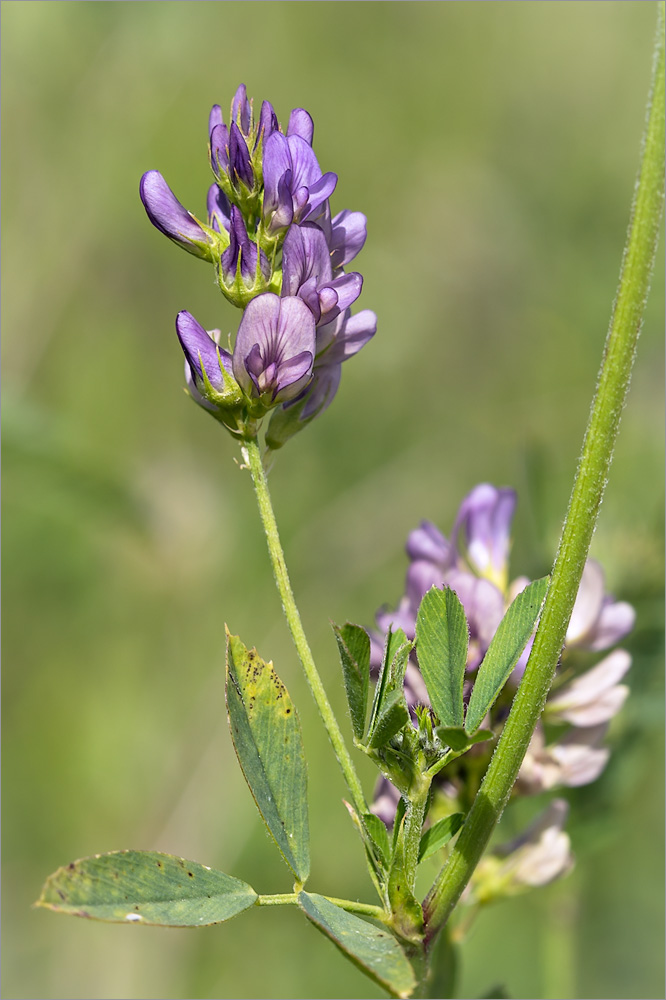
x: 484, y: 519
x: 275, y: 348
x: 348, y: 234
x: 241, y: 112
x: 168, y: 215
x: 300, y: 123
x: 219, y: 209
x: 201, y: 352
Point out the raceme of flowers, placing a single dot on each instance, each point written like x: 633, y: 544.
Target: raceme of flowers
x: 566, y: 749
x: 279, y: 255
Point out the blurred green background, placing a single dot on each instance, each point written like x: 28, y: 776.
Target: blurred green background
x: 493, y: 147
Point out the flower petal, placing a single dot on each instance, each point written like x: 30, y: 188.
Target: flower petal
x: 300, y: 123
x: 348, y: 234
x: 168, y: 215
x: 201, y: 351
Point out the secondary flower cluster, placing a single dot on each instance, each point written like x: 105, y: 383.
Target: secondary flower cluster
x: 566, y: 748
x: 280, y: 256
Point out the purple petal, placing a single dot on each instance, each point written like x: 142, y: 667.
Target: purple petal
x: 421, y: 576
x: 348, y: 233
x: 318, y: 195
x: 427, y: 542
x: 304, y: 255
x: 276, y: 163
x: 201, y: 351
x: 219, y: 146
x: 240, y: 109
x: 484, y: 518
x: 324, y: 387
x: 300, y: 123
x: 239, y: 157
x: 168, y: 215
x: 219, y: 209
x: 268, y: 121
x: 194, y: 392
x: 617, y: 618
x: 293, y: 375
x: 305, y: 168
x: 283, y: 330
x: 347, y: 289
x: 214, y: 118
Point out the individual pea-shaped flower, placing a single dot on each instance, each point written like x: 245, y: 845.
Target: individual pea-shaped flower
x: 482, y: 531
x: 208, y: 367
x: 594, y: 696
x: 307, y: 272
x: 168, y: 215
x: 275, y: 348
x: 578, y: 758
x: 243, y: 270
x: 295, y: 188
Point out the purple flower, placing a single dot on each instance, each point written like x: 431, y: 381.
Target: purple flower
x: 241, y: 110
x: 593, y: 697
x: 484, y: 521
x: 208, y: 367
x: 347, y: 237
x: 301, y: 124
x: 307, y: 272
x: 293, y: 181
x: 428, y: 543
x: 240, y: 257
x: 168, y: 215
x: 275, y: 348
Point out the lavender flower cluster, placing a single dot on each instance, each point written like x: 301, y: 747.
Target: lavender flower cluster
x: 280, y: 256
x: 566, y: 749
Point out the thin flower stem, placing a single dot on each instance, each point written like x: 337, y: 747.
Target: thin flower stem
x: 586, y: 496
x: 252, y: 456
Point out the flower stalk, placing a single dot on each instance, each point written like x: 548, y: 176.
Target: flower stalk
x: 586, y: 497
x: 252, y: 456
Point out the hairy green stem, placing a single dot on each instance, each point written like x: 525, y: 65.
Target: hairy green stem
x: 586, y: 496
x: 252, y: 455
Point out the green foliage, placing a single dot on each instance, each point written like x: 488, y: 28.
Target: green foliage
x: 354, y: 646
x: 266, y: 734
x: 146, y: 887
x: 504, y: 651
x: 439, y: 834
x: 456, y: 738
x: 442, y: 638
x: 373, y: 949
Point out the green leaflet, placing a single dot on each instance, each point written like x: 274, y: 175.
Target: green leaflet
x: 456, y: 738
x: 373, y: 949
x: 441, y: 642
x: 504, y: 651
x: 391, y: 717
x: 439, y: 834
x: 354, y: 646
x: 267, y: 738
x: 379, y: 836
x: 146, y: 887
x: 389, y: 708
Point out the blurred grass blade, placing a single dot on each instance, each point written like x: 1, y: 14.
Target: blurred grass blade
x: 504, y: 651
x: 267, y: 738
x: 373, y: 949
x: 439, y: 834
x: 146, y: 887
x: 354, y: 646
x: 441, y: 641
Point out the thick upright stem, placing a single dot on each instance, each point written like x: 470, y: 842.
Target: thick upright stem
x: 584, y: 504
x: 253, y: 457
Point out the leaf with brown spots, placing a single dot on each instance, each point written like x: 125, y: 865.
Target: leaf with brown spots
x: 146, y: 887
x: 267, y: 738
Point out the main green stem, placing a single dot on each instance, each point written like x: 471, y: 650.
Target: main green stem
x: 253, y: 458
x: 586, y: 496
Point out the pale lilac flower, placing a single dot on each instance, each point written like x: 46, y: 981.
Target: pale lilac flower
x: 482, y: 531
x: 576, y: 759
x: 598, y: 621
x: 275, y: 348
x: 347, y: 237
x: 307, y: 272
x: 538, y: 857
x: 168, y: 215
x: 593, y: 697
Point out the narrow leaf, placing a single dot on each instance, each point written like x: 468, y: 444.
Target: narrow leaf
x: 504, y: 651
x: 267, y: 738
x: 391, y: 717
x: 441, y: 643
x: 393, y: 643
x: 456, y: 737
x: 372, y: 949
x: 354, y: 646
x: 146, y: 887
x: 379, y: 836
x: 439, y: 834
